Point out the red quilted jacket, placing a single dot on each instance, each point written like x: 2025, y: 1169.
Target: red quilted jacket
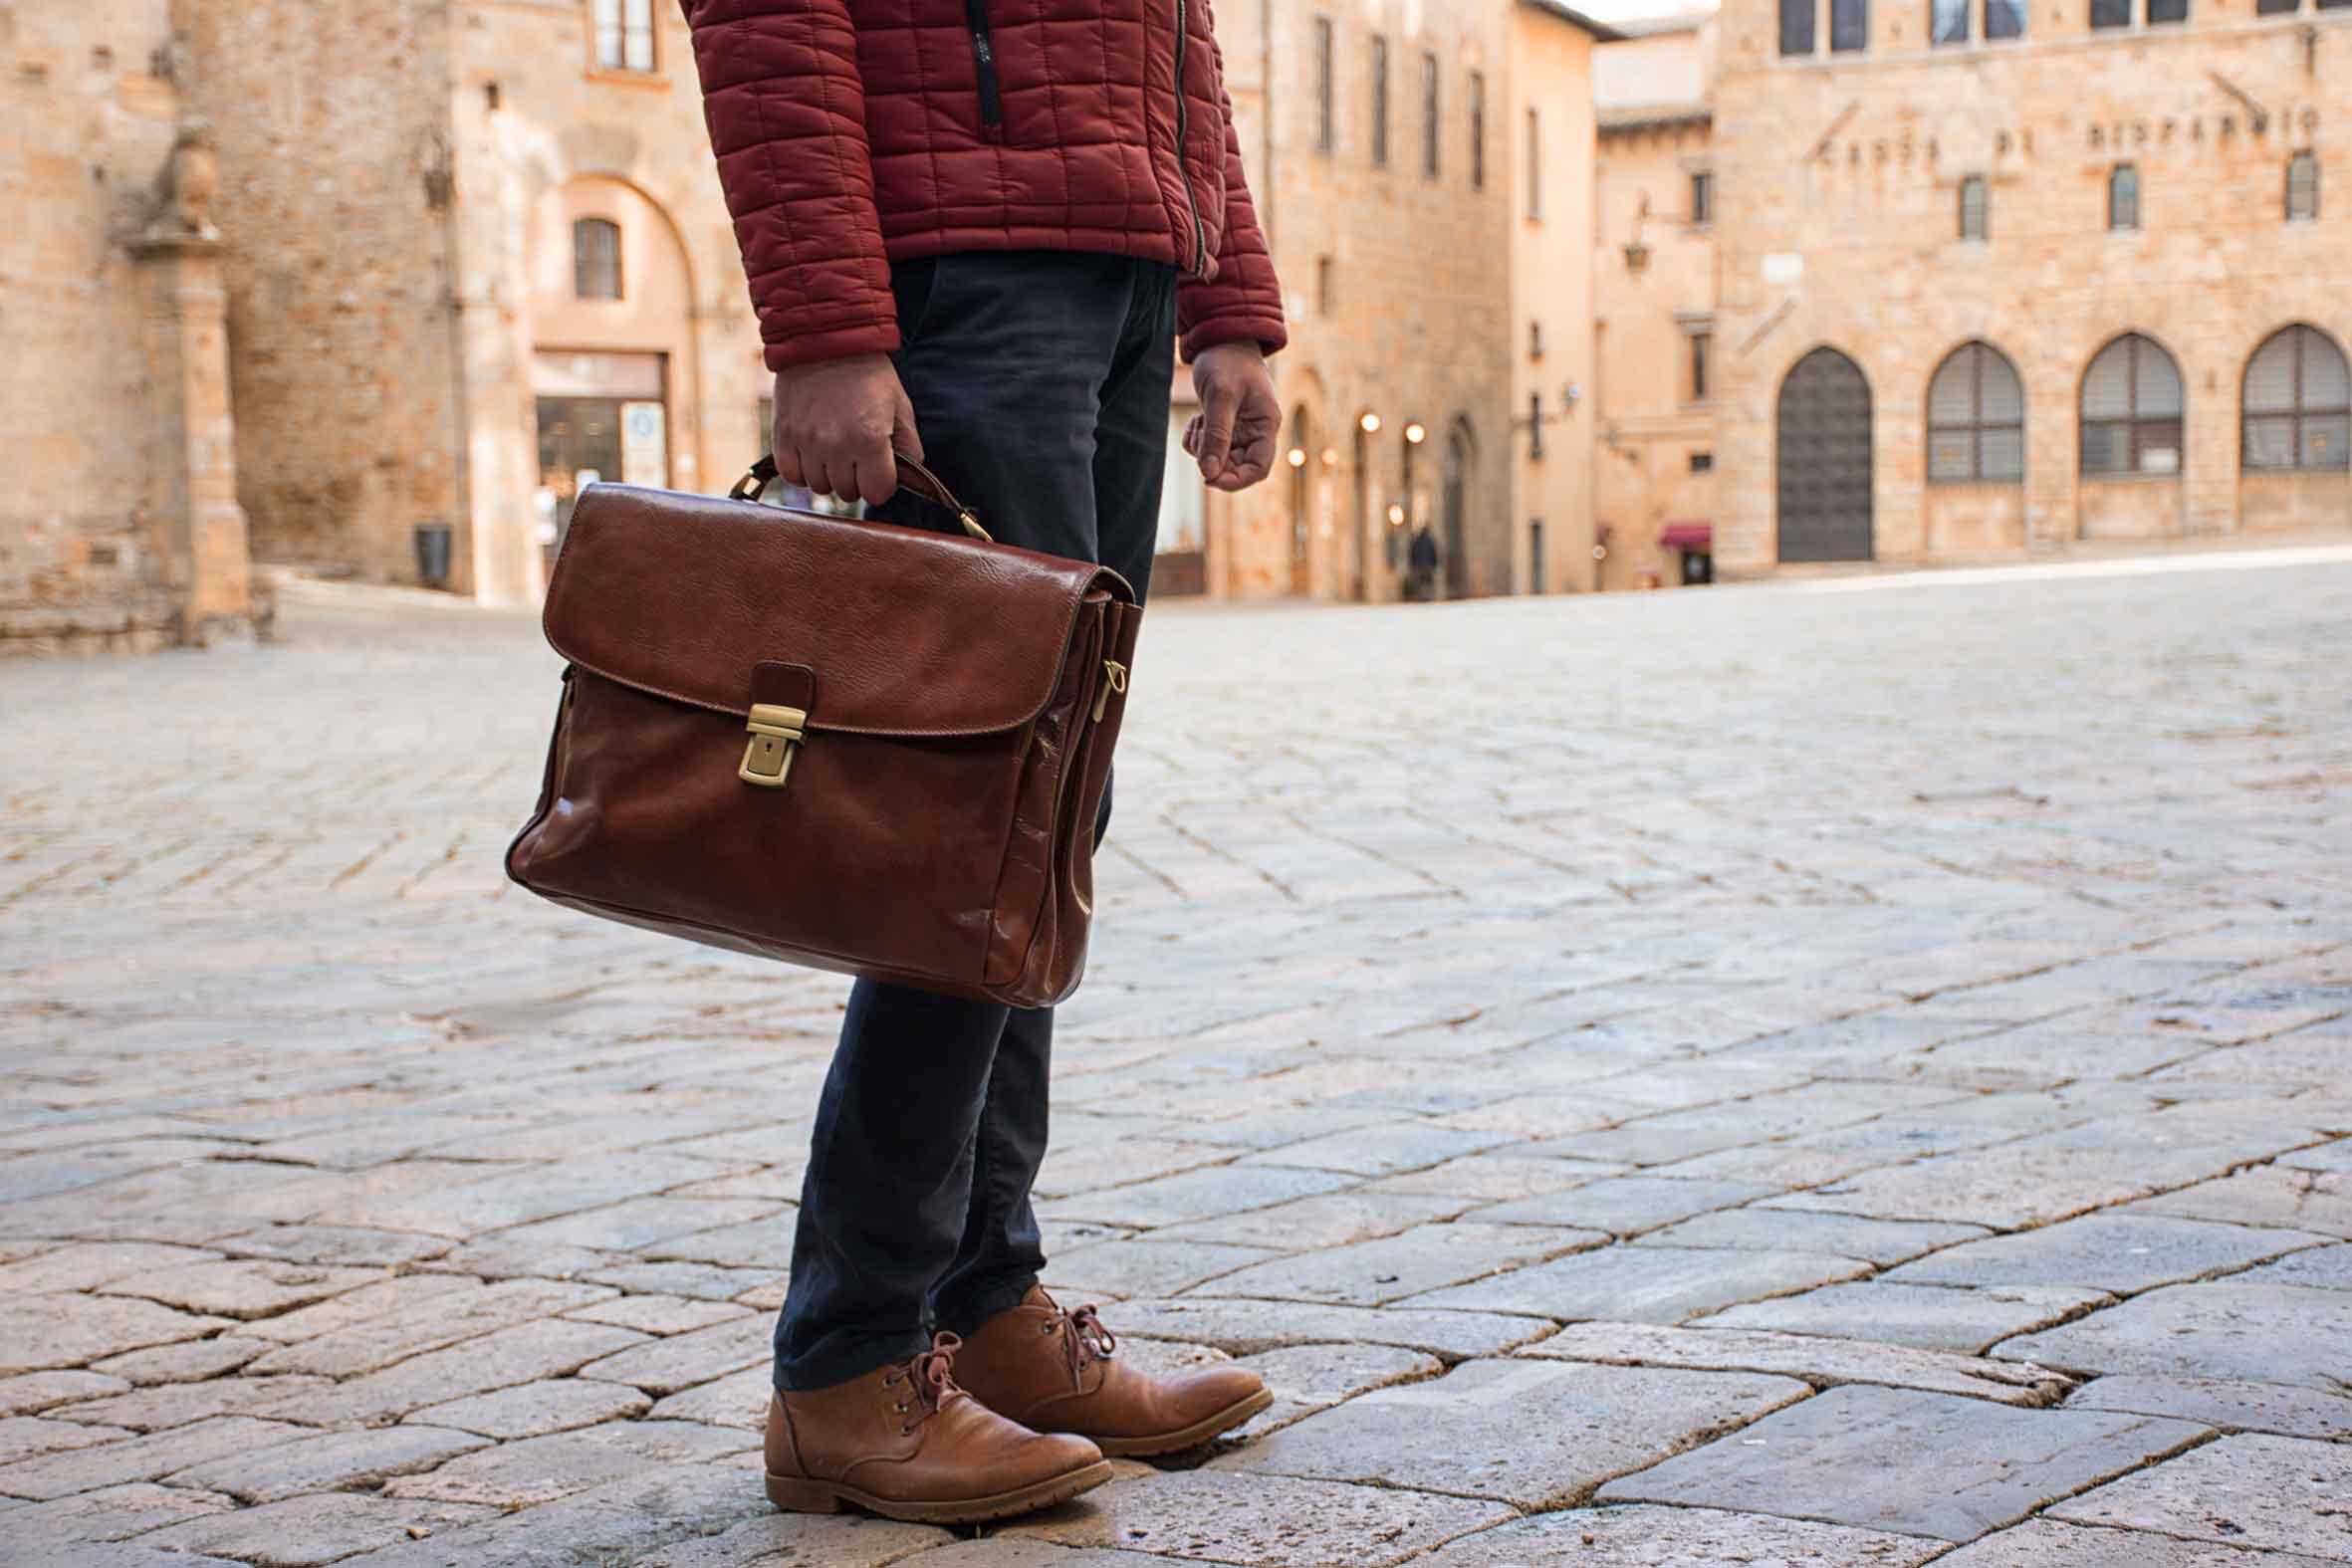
x: 852, y: 134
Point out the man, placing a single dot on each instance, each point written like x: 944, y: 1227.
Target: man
x: 1422, y: 560
x: 973, y: 230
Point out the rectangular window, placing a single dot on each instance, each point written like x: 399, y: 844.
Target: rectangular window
x: 1326, y: 287
x: 1379, y: 102
x: 2111, y: 13
x: 1948, y: 21
x: 1326, y: 131
x: 1537, y: 575
x: 1796, y: 27
x: 1701, y: 199
x: 1975, y: 214
x: 1429, y: 121
x: 2123, y: 198
x: 1702, y: 366
x: 1535, y: 340
x: 595, y: 259
x: 1535, y: 167
x: 1701, y: 462
x: 2004, y: 18
x: 1477, y: 130
x: 1850, y: 25
x: 2278, y: 7
x: 2159, y: 11
x: 2303, y: 186
x: 624, y: 35
x: 1535, y: 424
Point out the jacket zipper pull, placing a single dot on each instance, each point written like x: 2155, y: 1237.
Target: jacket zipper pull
x: 1114, y: 679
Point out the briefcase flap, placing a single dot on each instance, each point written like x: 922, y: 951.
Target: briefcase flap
x: 909, y: 633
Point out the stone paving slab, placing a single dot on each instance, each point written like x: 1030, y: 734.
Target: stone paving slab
x: 62, y: 1330
x: 1261, y: 1522
x: 1821, y: 1361
x: 1925, y: 1317
x: 2118, y: 1253
x: 1908, y: 1463
x: 1645, y: 1284
x: 304, y: 1533
x: 109, y: 1513
x: 143, y: 1458
x: 2255, y: 1333
x: 2283, y: 1494
x: 2039, y: 1543
x: 2286, y: 1197
x: 522, y: 1353
x: 1243, y: 1328
x: 1645, y: 1537
x: 329, y: 1461
x: 1534, y: 1434
x: 1368, y: 1273
x: 2320, y: 1268
x: 2276, y: 1407
x: 532, y: 1470
x: 1752, y: 1229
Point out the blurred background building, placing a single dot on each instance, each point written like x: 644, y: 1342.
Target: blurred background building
x: 374, y: 289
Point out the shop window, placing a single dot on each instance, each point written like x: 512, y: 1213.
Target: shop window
x: 1976, y: 418
x: 2132, y: 404
x: 624, y: 35
x: 2123, y: 198
x: 2298, y: 400
x: 595, y: 259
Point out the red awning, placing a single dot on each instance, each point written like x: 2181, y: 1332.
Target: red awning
x: 1688, y: 536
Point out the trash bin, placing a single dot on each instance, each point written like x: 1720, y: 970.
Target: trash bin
x: 432, y: 555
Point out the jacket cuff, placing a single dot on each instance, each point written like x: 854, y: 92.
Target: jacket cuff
x: 1242, y: 326
x: 842, y: 342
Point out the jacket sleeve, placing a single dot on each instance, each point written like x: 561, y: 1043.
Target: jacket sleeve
x: 1243, y: 302
x: 786, y: 108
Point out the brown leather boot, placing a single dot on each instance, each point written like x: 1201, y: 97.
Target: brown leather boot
x: 1054, y: 1369
x: 907, y: 1442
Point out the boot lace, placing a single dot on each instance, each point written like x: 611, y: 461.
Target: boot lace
x: 930, y: 1380
x: 1084, y: 1338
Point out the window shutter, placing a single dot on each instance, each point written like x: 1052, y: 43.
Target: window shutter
x: 1950, y: 397
x: 2106, y: 390
x: 2327, y: 379
x: 2159, y: 382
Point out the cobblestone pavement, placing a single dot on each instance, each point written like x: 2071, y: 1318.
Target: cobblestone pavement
x: 1778, y: 1075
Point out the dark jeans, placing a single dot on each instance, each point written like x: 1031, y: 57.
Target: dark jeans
x: 1039, y: 382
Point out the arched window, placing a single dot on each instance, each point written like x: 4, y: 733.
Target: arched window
x: 2298, y: 400
x: 2131, y: 409
x: 1976, y: 418
x: 1975, y: 208
x: 2123, y: 196
x: 595, y: 259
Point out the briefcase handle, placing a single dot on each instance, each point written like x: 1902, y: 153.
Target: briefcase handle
x: 912, y: 474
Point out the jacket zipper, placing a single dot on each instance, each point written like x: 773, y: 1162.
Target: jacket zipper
x: 1199, y: 235
x: 984, y: 63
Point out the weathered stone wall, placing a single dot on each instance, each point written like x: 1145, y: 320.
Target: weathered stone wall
x: 334, y: 195
x: 1838, y: 191
x: 1551, y: 347
x: 1416, y: 318
x: 535, y: 125
x: 1651, y: 299
x: 90, y: 115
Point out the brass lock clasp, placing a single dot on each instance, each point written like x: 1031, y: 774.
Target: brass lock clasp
x: 777, y: 733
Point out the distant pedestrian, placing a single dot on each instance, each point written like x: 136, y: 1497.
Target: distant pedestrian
x: 977, y: 245
x: 1421, y: 561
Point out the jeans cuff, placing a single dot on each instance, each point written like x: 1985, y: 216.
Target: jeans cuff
x: 983, y: 1302
x: 837, y: 1362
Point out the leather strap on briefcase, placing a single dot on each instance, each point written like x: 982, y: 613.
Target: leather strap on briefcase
x: 858, y: 747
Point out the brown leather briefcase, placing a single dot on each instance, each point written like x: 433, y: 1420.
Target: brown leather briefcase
x: 862, y: 748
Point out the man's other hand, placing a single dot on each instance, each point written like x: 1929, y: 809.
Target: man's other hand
x: 1233, y: 436
x: 837, y: 422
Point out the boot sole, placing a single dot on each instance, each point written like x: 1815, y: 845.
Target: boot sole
x: 797, y: 1494
x: 1191, y: 1437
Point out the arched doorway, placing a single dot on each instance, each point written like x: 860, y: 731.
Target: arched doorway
x: 1454, y: 507
x: 1360, y: 523
x: 611, y: 317
x: 1298, y: 453
x: 1823, y: 424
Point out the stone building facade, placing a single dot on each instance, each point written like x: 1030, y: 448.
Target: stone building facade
x: 120, y: 524
x: 1388, y: 153
x: 2003, y: 275
x: 1654, y: 287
